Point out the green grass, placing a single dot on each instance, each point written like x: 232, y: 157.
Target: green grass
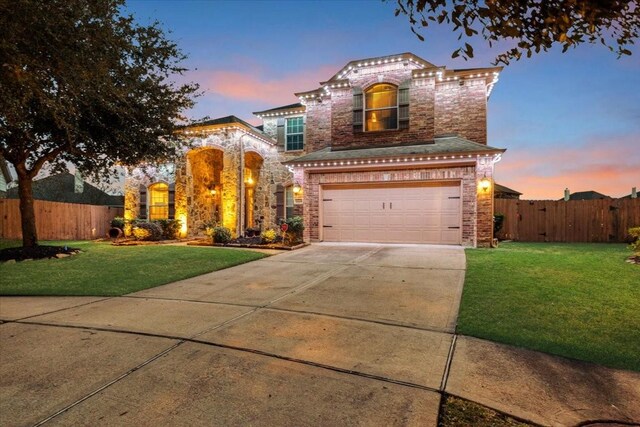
x: 105, y: 270
x: 576, y: 300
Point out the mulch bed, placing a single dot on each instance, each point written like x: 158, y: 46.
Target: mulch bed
x: 248, y: 242
x: 36, y: 252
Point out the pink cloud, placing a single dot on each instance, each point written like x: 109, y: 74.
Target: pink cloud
x: 256, y: 86
x: 610, y: 166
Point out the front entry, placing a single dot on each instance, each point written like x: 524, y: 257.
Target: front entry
x: 399, y: 213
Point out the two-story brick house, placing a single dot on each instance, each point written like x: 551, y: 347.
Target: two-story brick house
x: 390, y: 149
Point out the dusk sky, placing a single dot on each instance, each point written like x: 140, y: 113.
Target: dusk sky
x: 567, y: 120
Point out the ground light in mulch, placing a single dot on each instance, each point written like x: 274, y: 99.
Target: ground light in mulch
x: 36, y: 252
x: 456, y: 412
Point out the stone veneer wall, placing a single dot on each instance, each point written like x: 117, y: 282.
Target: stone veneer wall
x: 136, y: 177
x: 192, y: 180
x: 467, y: 175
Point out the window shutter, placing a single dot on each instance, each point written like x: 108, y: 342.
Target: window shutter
x: 403, y: 105
x: 357, y: 109
x: 280, y: 133
x: 143, y: 202
x: 280, y: 205
x: 172, y: 201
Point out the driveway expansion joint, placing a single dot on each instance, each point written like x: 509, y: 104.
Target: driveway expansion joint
x: 110, y: 383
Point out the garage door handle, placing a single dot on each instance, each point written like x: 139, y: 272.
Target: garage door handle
x: 327, y: 226
x: 390, y: 205
x: 454, y: 227
x: 382, y: 205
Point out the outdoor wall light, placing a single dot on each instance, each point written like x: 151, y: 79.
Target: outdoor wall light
x: 249, y: 181
x: 297, y: 188
x: 485, y: 183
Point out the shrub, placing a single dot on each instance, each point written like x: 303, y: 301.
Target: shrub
x: 296, y: 227
x: 170, y: 228
x: 118, y: 222
x: 147, y: 231
x: 221, y: 234
x: 498, y: 222
x: 634, y: 232
x: 269, y: 235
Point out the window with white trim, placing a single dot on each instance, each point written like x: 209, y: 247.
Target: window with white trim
x: 294, y: 134
x: 288, y: 202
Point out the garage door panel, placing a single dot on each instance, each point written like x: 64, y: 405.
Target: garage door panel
x: 413, y: 214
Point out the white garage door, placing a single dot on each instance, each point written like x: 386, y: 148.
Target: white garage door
x: 428, y: 213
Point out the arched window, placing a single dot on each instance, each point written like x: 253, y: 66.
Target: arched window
x: 381, y: 107
x: 158, y: 201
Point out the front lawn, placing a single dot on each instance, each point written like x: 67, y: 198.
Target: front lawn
x: 105, y: 270
x: 576, y: 300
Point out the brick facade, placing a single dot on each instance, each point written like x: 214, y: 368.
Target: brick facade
x: 441, y: 102
x: 435, y: 108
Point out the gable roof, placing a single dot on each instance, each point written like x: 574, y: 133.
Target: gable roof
x: 453, y: 145
x: 283, y: 110
x: 224, y: 122
x: 60, y: 188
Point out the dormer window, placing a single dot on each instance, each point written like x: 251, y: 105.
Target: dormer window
x: 381, y: 108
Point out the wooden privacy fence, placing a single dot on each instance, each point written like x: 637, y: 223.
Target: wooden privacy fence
x: 58, y: 221
x: 570, y: 221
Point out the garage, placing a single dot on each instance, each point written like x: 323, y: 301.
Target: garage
x: 399, y: 213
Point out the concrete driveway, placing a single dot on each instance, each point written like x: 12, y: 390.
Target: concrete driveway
x: 326, y: 335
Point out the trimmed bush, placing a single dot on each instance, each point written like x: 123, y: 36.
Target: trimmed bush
x: 269, y: 235
x: 296, y: 226
x: 118, y: 222
x: 221, y: 235
x: 147, y: 231
x: 170, y: 228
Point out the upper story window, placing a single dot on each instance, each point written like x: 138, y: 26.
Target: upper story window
x: 158, y: 197
x: 381, y: 108
x: 294, y: 134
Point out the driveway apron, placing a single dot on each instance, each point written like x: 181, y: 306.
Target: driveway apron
x: 332, y: 334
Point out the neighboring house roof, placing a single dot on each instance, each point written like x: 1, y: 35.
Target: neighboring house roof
x: 285, y: 109
x: 505, y: 190
x: 628, y: 196
x: 60, y: 188
x: 439, y: 146
x: 587, y: 195
x: 5, y: 171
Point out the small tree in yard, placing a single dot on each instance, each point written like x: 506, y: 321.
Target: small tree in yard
x: 81, y: 83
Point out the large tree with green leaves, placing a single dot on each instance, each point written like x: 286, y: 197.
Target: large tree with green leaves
x: 530, y: 25
x: 82, y: 83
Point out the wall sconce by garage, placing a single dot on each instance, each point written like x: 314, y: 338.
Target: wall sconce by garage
x: 485, y: 183
x: 212, y: 190
x: 296, y: 188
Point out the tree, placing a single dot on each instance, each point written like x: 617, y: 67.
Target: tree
x: 532, y: 25
x: 82, y: 83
